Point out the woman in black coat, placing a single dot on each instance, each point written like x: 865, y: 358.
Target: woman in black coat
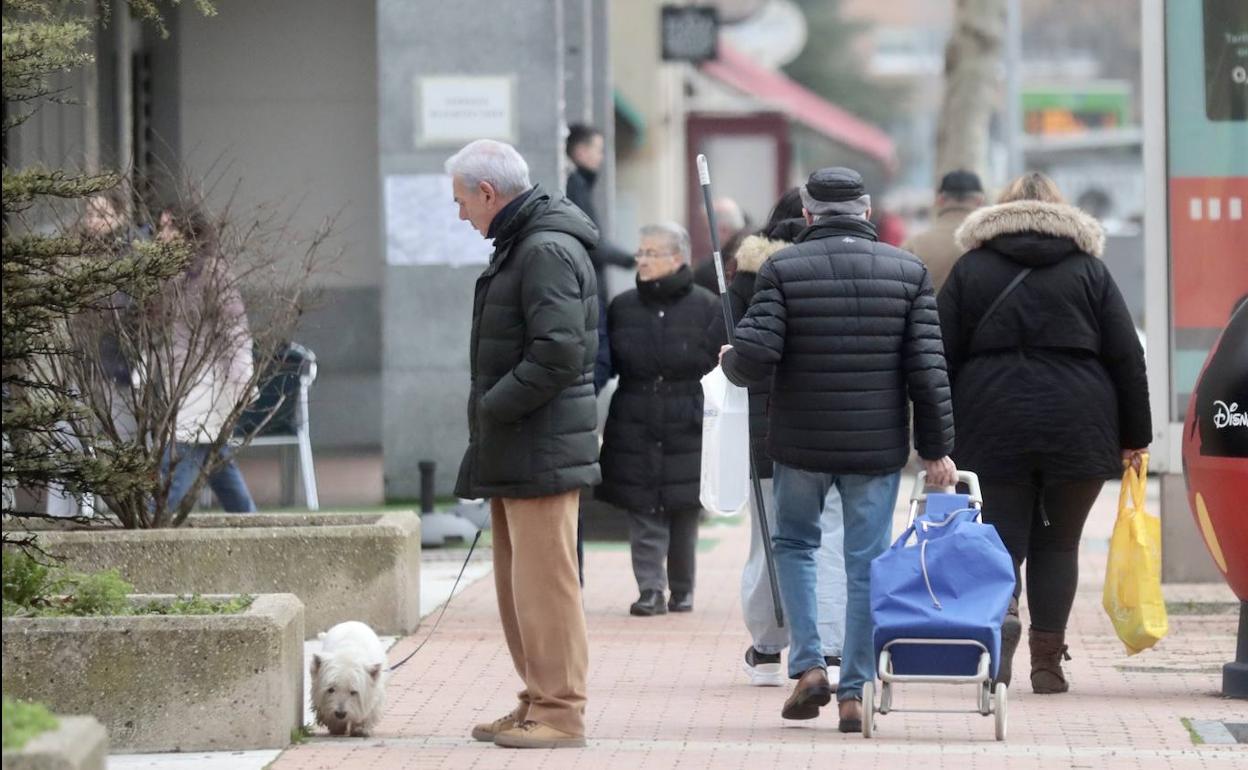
x: 767, y: 638
x: 652, y: 449
x: 1050, y: 395
x: 780, y: 230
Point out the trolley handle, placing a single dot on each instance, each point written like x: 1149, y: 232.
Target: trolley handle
x: 966, y: 477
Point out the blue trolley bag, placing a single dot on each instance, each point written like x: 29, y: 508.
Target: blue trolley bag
x: 954, y: 582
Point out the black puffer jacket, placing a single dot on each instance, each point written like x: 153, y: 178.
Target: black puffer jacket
x: 1055, y: 381
x: 532, y: 414
x: 661, y: 348
x: 751, y: 255
x: 849, y: 327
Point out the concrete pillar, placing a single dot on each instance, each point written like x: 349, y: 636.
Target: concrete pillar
x: 123, y: 29
x: 427, y: 309
x: 578, y: 63
x: 603, y: 113
x: 652, y: 186
x: 587, y: 90
x: 1184, y: 557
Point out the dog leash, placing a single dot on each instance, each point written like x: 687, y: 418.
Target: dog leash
x: 438, y: 622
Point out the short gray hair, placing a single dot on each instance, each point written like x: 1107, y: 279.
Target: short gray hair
x: 676, y: 236
x: 730, y: 212
x: 817, y: 208
x: 496, y: 163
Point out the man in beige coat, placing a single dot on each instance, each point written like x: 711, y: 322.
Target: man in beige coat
x: 960, y: 193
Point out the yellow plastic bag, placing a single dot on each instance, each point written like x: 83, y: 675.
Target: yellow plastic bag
x: 1132, y: 595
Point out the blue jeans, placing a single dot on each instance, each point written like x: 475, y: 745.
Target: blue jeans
x: 226, y: 480
x: 867, y: 504
x: 756, y: 604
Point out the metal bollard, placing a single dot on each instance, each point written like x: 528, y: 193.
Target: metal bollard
x: 1235, y: 674
x: 427, y: 468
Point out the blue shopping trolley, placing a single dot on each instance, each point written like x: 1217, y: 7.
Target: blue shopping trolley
x: 938, y: 597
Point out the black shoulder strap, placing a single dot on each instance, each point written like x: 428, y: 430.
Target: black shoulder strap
x: 996, y: 303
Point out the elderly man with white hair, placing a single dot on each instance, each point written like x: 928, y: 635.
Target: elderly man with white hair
x: 730, y: 225
x: 532, y: 438
x: 651, y: 455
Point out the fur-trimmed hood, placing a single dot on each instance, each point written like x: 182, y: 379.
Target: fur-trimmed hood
x: 1058, y: 220
x: 755, y: 250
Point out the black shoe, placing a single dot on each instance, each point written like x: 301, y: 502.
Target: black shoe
x: 650, y: 603
x: 754, y: 658
x: 1011, y: 632
x: 832, y: 661
x: 680, y: 602
x: 763, y: 669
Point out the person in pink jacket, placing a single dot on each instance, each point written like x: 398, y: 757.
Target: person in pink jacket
x: 212, y: 339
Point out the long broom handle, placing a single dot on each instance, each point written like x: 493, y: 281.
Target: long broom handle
x: 704, y: 177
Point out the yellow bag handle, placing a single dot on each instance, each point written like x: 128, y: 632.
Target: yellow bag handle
x: 1135, y: 484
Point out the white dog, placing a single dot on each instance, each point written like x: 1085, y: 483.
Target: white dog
x: 349, y: 679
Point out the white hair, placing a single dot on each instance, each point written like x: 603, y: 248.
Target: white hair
x: 730, y: 212
x: 496, y: 163
x: 676, y: 236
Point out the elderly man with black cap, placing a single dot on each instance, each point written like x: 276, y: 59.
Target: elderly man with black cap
x: 960, y: 193
x: 847, y: 329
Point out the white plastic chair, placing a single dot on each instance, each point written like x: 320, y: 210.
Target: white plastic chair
x: 292, y: 432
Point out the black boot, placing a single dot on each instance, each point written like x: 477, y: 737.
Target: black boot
x: 1011, y: 632
x: 680, y: 602
x: 650, y: 603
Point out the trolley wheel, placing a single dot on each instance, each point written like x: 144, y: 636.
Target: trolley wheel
x: 1001, y: 709
x: 868, y: 709
x: 985, y: 698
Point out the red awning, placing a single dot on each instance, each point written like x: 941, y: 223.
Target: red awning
x: 800, y: 103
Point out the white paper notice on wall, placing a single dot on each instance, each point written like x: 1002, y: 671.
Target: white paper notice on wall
x: 454, y: 110
x: 423, y: 225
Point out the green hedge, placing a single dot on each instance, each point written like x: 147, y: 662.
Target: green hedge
x: 33, y: 589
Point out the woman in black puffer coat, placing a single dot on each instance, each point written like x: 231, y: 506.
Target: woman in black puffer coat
x: 1050, y: 394
x: 768, y: 639
x: 753, y: 251
x: 652, y: 448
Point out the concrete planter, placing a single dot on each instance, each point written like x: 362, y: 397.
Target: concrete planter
x: 168, y: 682
x: 362, y: 567
x: 79, y: 743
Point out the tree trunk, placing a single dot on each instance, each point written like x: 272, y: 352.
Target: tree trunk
x: 972, y: 74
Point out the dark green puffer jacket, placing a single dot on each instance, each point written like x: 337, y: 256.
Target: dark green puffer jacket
x: 532, y: 414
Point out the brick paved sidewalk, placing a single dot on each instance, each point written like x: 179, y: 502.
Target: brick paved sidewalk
x: 668, y: 691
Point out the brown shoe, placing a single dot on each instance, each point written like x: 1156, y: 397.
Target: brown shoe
x: 812, y: 692
x: 535, y: 735
x: 486, y: 731
x: 850, y: 713
x: 1048, y: 648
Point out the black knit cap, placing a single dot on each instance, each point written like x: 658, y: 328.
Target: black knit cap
x: 835, y: 185
x: 961, y: 182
